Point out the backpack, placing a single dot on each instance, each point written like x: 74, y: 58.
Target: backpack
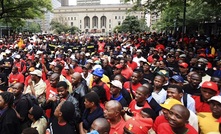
x: 32, y: 100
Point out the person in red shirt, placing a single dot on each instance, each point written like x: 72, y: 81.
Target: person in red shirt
x: 126, y: 71
x: 20, y: 64
x: 132, y: 85
x: 76, y: 68
x: 139, y: 102
x: 112, y: 113
x: 165, y: 109
x: 178, y: 122
x: 101, y: 45
x: 133, y: 65
x: 97, y: 75
x: 15, y: 76
x: 208, y: 90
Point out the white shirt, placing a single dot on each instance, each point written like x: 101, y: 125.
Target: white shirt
x: 160, y: 97
x: 193, y: 120
x: 190, y: 103
x: 137, y: 60
x: 87, y: 78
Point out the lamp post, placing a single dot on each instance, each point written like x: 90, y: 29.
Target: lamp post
x: 184, y: 20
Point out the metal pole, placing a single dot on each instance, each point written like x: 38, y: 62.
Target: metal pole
x: 184, y: 20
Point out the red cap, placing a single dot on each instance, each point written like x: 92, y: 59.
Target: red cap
x: 118, y: 66
x: 210, y: 85
x: 183, y: 64
x: 210, y: 56
x: 118, y: 47
x: 202, y: 55
x: 139, y: 126
x: 219, y: 120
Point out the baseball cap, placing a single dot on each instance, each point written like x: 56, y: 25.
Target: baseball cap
x: 203, y: 60
x: 37, y: 72
x: 118, y: 66
x: 177, y: 78
x: 183, y: 64
x: 210, y: 85
x: 98, y: 72
x: 169, y: 103
x: 164, y: 73
x: 182, y: 56
x: 216, y: 98
x: 139, y: 51
x: 116, y: 83
x: 17, y: 56
x: 96, y: 67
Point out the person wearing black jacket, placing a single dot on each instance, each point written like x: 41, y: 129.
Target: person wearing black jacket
x: 9, y: 122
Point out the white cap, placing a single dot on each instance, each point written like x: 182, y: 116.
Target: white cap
x: 97, y: 66
x: 70, y: 50
x: 53, y: 63
x: 39, y: 52
x: 17, y: 56
x: 37, y: 72
x: 59, y: 46
x: 7, y: 51
x: 1, y: 41
x: 139, y: 51
x: 66, y: 68
x: 89, y: 61
x: 216, y: 98
x: 116, y: 83
x: 87, y: 54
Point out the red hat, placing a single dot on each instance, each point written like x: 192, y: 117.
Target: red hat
x: 118, y: 66
x: 183, y: 64
x: 210, y: 85
x: 210, y: 56
x: 219, y: 120
x: 202, y: 55
x: 139, y: 125
x: 118, y: 47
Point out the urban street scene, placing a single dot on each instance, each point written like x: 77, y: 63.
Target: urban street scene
x: 110, y: 67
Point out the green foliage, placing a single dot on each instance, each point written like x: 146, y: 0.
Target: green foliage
x: 130, y: 24
x: 15, y: 12
x: 59, y: 28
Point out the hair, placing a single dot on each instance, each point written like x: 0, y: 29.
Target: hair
x: 68, y: 111
x: 156, y: 56
x: 59, y: 67
x: 37, y: 112
x: 149, y: 87
x: 178, y: 88
x: 62, y: 84
x: 104, y: 125
x: 92, y: 97
x: 8, y: 98
x: 30, y: 131
x: 150, y: 112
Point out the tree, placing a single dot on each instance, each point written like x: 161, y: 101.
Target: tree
x: 130, y: 24
x: 59, y: 27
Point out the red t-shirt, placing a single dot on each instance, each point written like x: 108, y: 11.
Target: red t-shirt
x: 50, y: 92
x: 27, y: 79
x: 134, y: 87
x: 132, y: 65
x: 101, y: 47
x: 21, y: 66
x: 107, y: 89
x: 16, y: 78
x: 133, y: 109
x: 200, y: 105
x: 159, y: 120
x: 78, y: 69
x: 165, y: 128
x: 127, y: 72
x: 118, y: 128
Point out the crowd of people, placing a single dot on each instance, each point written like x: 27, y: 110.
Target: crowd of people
x: 141, y: 83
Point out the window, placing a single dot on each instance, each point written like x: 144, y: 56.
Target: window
x: 72, y: 23
x: 80, y: 21
x: 115, y: 17
x: 68, y: 18
x: 109, y: 20
x: 103, y: 21
x: 71, y: 18
x: 74, y: 18
x: 118, y: 17
x: 122, y: 17
x: 119, y: 22
x: 109, y: 25
x: 80, y: 26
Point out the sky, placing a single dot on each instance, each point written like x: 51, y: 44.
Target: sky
x: 73, y: 2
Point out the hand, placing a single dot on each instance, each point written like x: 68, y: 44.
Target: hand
x: 30, y: 82
x: 53, y: 99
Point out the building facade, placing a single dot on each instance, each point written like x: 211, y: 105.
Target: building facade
x: 94, y: 19
x: 88, y: 2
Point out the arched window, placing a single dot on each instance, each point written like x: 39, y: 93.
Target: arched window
x: 95, y: 22
x: 86, y: 22
x: 103, y: 21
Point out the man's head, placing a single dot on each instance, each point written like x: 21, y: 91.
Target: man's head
x: 177, y: 80
x: 54, y: 79
x: 136, y: 76
x: 117, y: 69
x: 14, y: 69
x: 112, y: 110
x: 17, y: 89
x: 97, y: 74
x: 217, y: 80
x: 6, y: 100
x: 76, y: 78
x: 58, y: 68
x: 101, y: 125
x: 183, y: 67
x: 166, y: 106
x: 115, y: 87
x: 158, y: 81
x: 175, y: 91
x: 91, y: 100
x: 178, y: 116
x: 195, y: 80
x: 142, y: 93
x: 208, y: 90
x: 215, y: 106
x: 62, y: 89
x: 123, y: 63
x: 36, y: 75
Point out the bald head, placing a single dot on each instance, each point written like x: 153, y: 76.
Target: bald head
x: 76, y: 78
x: 101, y: 125
x: 144, y: 90
x: 182, y: 110
x: 115, y: 105
x: 55, y: 76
